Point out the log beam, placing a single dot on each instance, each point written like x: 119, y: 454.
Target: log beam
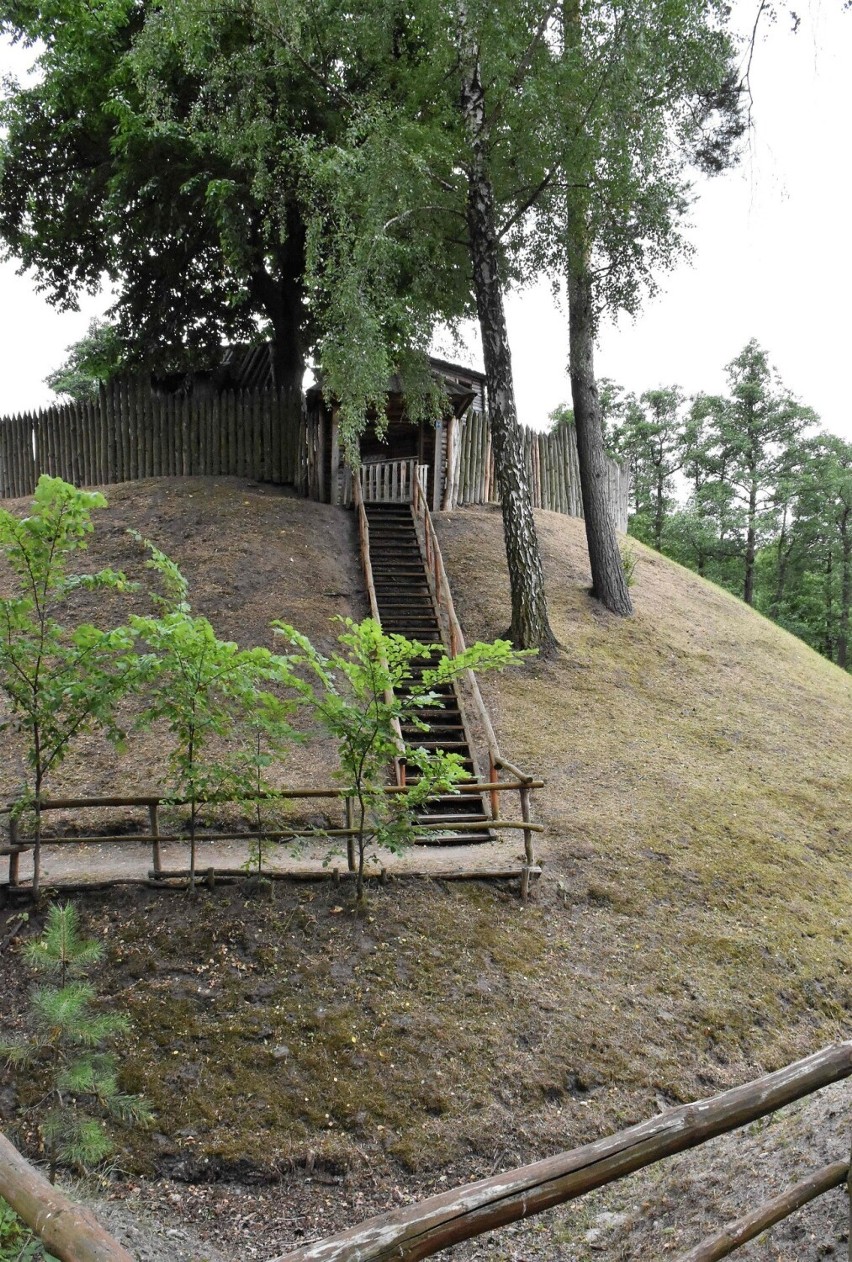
x: 70, y: 1232
x: 418, y: 1231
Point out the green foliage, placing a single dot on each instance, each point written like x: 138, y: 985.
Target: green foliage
x: 214, y: 699
x: 628, y: 563
x: 66, y: 1048
x: 59, y: 680
x: 733, y: 488
x: 17, y: 1242
x: 91, y: 363
x: 361, y: 694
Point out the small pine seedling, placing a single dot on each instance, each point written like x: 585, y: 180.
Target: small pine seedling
x: 66, y: 1044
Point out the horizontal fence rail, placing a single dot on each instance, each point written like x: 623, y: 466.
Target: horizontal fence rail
x: 69, y: 1231
x: 552, y: 467
x: 421, y: 1230
x: 157, y: 838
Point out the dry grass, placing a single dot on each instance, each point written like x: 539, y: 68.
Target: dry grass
x: 252, y: 553
x: 691, y: 930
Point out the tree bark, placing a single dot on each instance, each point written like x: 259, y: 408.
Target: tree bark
x: 530, y: 626
x: 751, y: 539
x: 845, y: 590
x: 609, y: 584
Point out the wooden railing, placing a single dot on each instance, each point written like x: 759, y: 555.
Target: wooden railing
x: 367, y: 566
x: 472, y: 702
x: 155, y: 837
x: 421, y: 1230
x: 387, y: 481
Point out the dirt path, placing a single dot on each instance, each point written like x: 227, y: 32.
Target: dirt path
x: 92, y: 863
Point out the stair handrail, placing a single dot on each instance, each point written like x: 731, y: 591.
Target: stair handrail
x: 364, y: 542
x: 444, y: 600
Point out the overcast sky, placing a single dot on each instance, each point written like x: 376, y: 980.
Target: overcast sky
x: 773, y: 259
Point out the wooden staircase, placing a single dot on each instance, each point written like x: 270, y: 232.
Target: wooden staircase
x: 406, y: 608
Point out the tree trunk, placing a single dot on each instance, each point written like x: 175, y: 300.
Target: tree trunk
x: 659, y: 511
x: 783, y: 554
x: 751, y: 540
x: 609, y: 584
x: 845, y: 591
x: 828, y: 637
x: 530, y: 624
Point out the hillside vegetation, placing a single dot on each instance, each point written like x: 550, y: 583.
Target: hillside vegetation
x: 691, y: 928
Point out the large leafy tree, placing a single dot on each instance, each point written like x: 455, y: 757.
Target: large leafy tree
x: 557, y: 138
x: 651, y: 435
x: 647, y: 94
x: 400, y: 206
x: 93, y: 183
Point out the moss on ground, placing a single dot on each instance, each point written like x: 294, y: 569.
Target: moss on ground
x: 690, y: 932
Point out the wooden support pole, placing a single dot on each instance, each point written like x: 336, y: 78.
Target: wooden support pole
x: 350, y: 839
x: 70, y: 1232
x: 334, y: 479
x: 493, y: 792
x: 14, y: 853
x: 529, y: 854
x: 154, y: 816
x: 419, y: 1231
x: 735, y: 1234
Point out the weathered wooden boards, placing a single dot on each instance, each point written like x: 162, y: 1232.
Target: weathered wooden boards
x: 418, y: 1231
x: 68, y: 1231
x: 129, y: 433
x: 552, y: 469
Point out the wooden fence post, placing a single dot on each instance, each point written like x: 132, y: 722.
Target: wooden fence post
x: 350, y: 840
x: 154, y: 815
x: 14, y: 857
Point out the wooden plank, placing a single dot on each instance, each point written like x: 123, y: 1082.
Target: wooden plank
x: 735, y: 1234
x: 70, y: 1232
x: 421, y: 1230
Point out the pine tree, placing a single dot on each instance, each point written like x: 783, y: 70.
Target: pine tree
x: 66, y: 1044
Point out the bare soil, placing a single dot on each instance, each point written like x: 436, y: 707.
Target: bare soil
x: 310, y: 1066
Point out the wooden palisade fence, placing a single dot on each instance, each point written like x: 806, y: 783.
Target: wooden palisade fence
x: 421, y: 1230
x: 128, y: 433
x: 552, y: 466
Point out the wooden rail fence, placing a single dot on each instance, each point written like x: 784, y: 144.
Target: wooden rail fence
x: 73, y: 1233
x: 421, y: 1230
x: 152, y: 805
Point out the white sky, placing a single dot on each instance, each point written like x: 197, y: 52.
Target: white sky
x: 773, y: 259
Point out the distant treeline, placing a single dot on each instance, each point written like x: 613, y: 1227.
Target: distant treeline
x: 745, y: 490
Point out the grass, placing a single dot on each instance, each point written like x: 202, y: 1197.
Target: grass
x: 691, y: 929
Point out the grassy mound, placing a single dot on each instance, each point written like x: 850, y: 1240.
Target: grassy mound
x: 690, y: 931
